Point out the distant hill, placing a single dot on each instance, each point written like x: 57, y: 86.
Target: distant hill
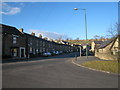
x: 89, y: 41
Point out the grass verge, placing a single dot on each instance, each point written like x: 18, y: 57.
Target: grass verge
x: 110, y: 66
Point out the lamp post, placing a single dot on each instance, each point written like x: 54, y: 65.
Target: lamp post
x: 85, y: 28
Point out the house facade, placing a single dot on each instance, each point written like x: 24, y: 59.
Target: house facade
x: 18, y: 44
x: 108, y: 50
x: 95, y: 44
x: 13, y: 42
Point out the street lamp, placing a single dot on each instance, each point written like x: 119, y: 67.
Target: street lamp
x: 85, y: 29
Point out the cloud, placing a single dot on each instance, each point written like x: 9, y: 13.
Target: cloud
x: 8, y: 10
x: 50, y: 35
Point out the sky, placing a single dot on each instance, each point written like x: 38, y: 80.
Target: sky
x: 58, y: 19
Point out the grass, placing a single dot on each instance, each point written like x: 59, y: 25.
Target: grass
x: 110, y: 66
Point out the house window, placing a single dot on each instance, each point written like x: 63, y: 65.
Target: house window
x: 97, y: 50
x: 43, y: 49
x: 14, y: 52
x: 14, y: 39
x: 43, y: 44
x: 30, y: 49
x: 30, y: 42
x: 37, y: 50
x: 37, y: 43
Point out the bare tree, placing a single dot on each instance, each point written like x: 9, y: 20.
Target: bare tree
x: 77, y: 38
x: 113, y: 30
x: 96, y: 37
x: 67, y: 39
x: 59, y: 38
x: 102, y: 38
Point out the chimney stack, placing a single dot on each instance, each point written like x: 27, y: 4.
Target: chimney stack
x: 21, y: 29
x: 33, y: 33
x: 40, y: 36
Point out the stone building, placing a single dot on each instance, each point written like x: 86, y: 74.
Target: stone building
x: 108, y: 50
x: 95, y: 44
x: 18, y: 44
x: 13, y: 42
x: 34, y: 45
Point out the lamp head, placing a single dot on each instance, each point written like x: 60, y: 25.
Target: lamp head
x: 75, y: 8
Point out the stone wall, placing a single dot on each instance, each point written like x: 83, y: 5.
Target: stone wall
x: 106, y: 56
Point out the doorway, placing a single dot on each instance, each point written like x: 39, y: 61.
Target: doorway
x: 22, y: 52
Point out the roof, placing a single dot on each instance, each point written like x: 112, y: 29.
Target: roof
x: 98, y: 42
x: 31, y: 35
x: 106, y: 43
x: 64, y: 42
x: 10, y: 30
x: 38, y: 38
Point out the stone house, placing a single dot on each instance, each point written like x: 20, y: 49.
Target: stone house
x: 108, y: 50
x: 13, y: 42
x: 18, y: 44
x: 95, y: 44
x: 34, y: 45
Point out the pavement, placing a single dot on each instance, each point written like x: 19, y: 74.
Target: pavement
x: 83, y: 59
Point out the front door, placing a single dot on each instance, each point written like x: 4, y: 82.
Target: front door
x: 22, y: 52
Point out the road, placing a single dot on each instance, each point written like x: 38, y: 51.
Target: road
x: 54, y: 72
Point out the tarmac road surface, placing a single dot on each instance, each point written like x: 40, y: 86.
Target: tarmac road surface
x: 54, y: 72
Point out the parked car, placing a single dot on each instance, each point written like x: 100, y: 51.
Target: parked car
x: 61, y: 52
x: 46, y: 54
x: 53, y: 53
x: 57, y: 53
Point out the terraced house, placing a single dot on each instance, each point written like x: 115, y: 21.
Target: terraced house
x: 13, y: 42
x: 18, y: 44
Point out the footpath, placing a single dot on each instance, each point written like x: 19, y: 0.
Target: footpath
x: 82, y: 59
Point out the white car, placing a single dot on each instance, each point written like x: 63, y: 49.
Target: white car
x: 47, y: 54
x: 57, y: 52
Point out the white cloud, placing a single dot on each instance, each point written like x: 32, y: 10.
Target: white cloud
x: 8, y: 10
x: 50, y: 35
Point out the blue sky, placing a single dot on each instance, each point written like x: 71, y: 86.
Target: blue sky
x: 58, y: 19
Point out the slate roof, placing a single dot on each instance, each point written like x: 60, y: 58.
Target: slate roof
x: 98, y: 42
x: 64, y: 42
x: 10, y: 30
x: 106, y: 43
x: 39, y: 38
